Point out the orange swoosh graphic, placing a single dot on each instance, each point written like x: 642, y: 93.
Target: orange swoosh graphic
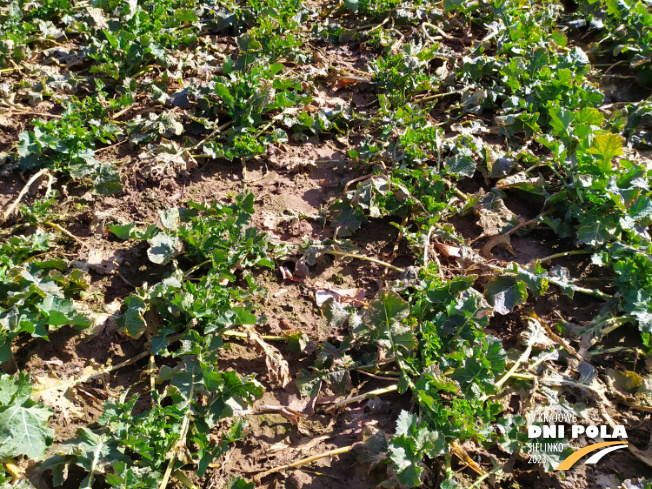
x: 571, y: 459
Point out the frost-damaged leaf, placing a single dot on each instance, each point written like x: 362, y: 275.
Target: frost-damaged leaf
x: 132, y: 322
x: 627, y: 382
x: 98, y: 19
x: 170, y: 219
x: 57, y: 398
x: 501, y: 167
x: 308, y: 384
x: 104, y: 261
x: 163, y: 248
x: 164, y: 125
x: 373, y: 452
x: 522, y: 181
x: 314, y: 250
x: 348, y: 220
x: 167, y: 159
x: 353, y: 296
x: 460, y: 165
x: 336, y: 314
x: 338, y: 377
x: 106, y: 179
x: 505, y: 293
x: 495, y: 217
x: 23, y: 423
x: 384, y: 319
x: 596, y: 232
x: 561, y: 277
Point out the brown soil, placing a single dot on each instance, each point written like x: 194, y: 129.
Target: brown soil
x: 291, y: 186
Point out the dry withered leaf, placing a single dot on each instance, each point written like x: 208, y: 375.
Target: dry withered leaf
x: 99, y: 20
x: 354, y: 297
x: 61, y: 400
x: 627, y: 382
x: 500, y: 240
x: 348, y: 81
x: 344, y: 83
x: 494, y: 216
x: 447, y: 250
x: 277, y: 367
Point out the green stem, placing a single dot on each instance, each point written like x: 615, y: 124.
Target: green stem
x: 601, y: 331
x: 175, y: 450
x: 554, y: 170
x: 453, y: 187
x: 426, y: 248
x: 181, y: 477
x: 617, y: 349
x: 479, y: 480
x: 183, y: 433
x: 147, y: 69
x: 264, y: 128
x: 563, y: 254
x: 616, y: 321
x: 196, y: 267
x: 511, y: 371
x: 442, y: 95
x: 523, y: 376
x: 594, y: 292
x: 65, y: 231
x: 217, y: 131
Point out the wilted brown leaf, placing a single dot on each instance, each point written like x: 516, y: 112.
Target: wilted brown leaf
x: 447, y: 250
x: 345, y: 296
x: 277, y: 366
x: 61, y: 400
